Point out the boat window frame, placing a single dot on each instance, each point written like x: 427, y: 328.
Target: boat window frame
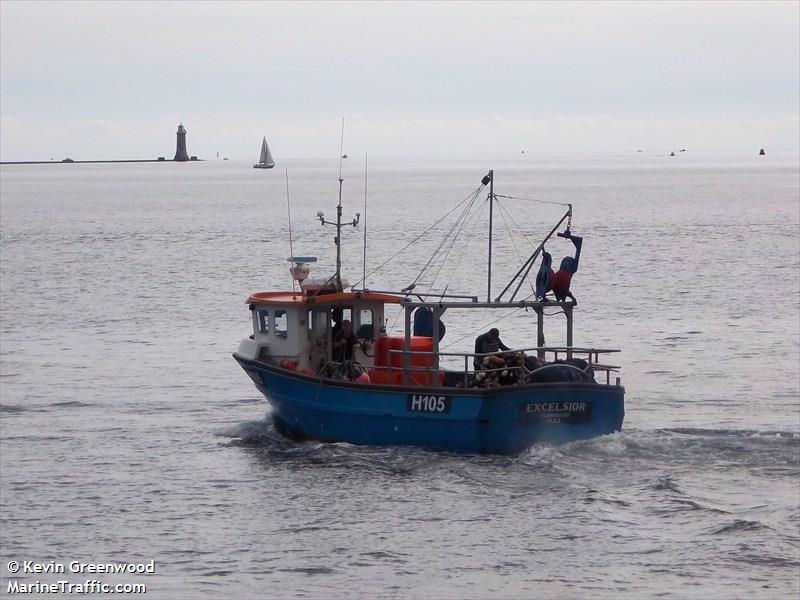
x: 335, y: 326
x: 358, y: 327
x: 263, y: 319
x: 283, y: 332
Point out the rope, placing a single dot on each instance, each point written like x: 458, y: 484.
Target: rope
x: 480, y: 327
x: 532, y: 200
x: 461, y: 219
x: 502, y: 212
x: 435, y: 223
x: 519, y: 227
x: 397, y: 316
x: 466, y: 251
x: 483, y: 326
x: 464, y: 224
x: 444, y: 240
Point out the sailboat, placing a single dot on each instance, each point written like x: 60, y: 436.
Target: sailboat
x: 265, y: 161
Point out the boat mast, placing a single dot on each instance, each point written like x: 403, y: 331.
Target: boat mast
x: 364, y: 275
x: 490, y: 177
x: 339, y: 219
x: 338, y: 239
x: 289, y: 212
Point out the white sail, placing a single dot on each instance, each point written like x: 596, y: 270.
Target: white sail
x: 267, y: 155
x: 265, y: 161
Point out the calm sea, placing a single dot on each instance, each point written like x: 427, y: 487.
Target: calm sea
x: 129, y: 434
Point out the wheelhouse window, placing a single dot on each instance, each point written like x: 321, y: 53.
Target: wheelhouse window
x: 263, y: 321
x: 281, y: 324
x: 366, y: 325
x: 339, y: 314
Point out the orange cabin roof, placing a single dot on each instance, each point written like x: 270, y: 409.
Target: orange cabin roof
x: 297, y: 298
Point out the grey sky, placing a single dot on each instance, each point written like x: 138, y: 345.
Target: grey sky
x: 112, y: 80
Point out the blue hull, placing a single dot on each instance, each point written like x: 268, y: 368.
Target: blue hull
x: 503, y: 420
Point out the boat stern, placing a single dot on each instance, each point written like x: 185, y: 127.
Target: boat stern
x: 555, y: 414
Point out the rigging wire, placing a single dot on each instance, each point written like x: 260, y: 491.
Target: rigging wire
x: 444, y: 240
x: 394, y: 322
x: 450, y: 246
x: 519, y: 227
x: 481, y: 328
x: 432, y: 226
x: 500, y: 318
x: 441, y: 244
x: 470, y: 236
x: 484, y: 325
x: 458, y: 226
x: 460, y: 219
x: 532, y: 200
x: 454, y: 231
x: 470, y: 200
x: 503, y: 210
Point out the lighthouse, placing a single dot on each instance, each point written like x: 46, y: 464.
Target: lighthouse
x: 180, y: 150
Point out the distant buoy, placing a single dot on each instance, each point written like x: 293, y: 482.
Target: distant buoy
x: 762, y: 153
x: 672, y: 154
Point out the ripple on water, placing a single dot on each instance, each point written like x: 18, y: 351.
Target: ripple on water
x: 697, y: 496
x: 737, y: 526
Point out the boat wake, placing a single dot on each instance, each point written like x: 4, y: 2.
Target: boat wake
x: 260, y: 434
x: 703, y: 487
x: 746, y: 448
x: 662, y: 452
x: 265, y: 438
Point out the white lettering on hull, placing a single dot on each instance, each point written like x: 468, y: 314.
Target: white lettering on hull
x: 428, y: 403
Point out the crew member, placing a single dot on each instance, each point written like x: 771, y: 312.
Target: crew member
x: 486, y: 343
x: 344, y: 342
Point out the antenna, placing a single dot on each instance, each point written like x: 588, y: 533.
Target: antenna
x: 341, y: 155
x: 339, y: 218
x: 289, y: 210
x: 364, y: 276
x: 338, y: 223
x: 490, y: 177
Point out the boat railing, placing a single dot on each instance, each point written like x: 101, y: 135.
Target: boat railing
x: 591, y: 355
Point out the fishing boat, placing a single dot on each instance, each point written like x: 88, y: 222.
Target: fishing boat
x: 265, y: 161
x: 406, y: 389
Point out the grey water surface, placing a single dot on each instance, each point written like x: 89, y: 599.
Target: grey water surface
x: 129, y: 434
